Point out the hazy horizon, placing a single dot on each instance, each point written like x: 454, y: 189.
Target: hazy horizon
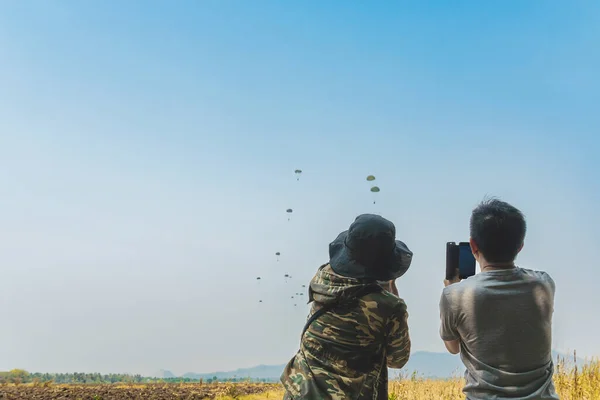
x: 148, y: 149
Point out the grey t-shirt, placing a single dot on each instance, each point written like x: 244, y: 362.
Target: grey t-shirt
x: 503, y: 319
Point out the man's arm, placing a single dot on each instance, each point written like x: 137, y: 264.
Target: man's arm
x: 398, y: 339
x: 448, y: 326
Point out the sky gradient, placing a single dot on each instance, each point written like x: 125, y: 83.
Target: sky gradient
x: 148, y: 149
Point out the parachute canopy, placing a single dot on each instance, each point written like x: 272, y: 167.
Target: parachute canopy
x: 371, y: 178
x: 258, y: 278
x: 289, y: 211
x: 298, y: 171
x: 278, y: 254
x: 375, y: 189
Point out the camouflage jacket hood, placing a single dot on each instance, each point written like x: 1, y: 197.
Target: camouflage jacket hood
x: 344, y: 353
x: 327, y: 287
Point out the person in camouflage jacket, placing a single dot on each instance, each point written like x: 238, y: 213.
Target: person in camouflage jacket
x: 361, y: 325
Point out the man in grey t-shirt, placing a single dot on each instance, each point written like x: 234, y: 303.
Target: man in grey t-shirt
x: 500, y: 320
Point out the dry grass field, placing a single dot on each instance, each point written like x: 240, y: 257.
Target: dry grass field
x: 571, y: 383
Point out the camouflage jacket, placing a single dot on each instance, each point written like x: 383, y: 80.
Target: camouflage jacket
x: 342, y: 353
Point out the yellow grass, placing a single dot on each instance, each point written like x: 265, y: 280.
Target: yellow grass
x: 270, y: 395
x: 418, y: 389
x: 578, y: 383
x: 571, y: 384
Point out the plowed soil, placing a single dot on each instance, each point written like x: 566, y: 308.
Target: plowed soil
x: 131, y: 392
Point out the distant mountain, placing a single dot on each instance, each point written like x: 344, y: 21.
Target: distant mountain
x: 431, y: 365
x: 267, y: 372
x: 425, y: 364
x: 163, y: 374
x: 570, y: 358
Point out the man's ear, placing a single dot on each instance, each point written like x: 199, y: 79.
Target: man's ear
x: 521, y: 247
x: 474, y: 247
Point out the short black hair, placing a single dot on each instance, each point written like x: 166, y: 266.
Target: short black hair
x: 498, y: 229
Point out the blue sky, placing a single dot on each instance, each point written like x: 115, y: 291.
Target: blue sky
x: 147, y: 151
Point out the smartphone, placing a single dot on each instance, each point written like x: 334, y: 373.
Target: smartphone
x: 466, y: 260
x: 459, y: 256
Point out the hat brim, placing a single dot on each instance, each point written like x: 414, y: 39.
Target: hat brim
x: 342, y: 262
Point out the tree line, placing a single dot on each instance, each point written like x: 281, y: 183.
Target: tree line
x: 23, y: 376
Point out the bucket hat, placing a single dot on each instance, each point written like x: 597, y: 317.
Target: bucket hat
x: 369, y: 250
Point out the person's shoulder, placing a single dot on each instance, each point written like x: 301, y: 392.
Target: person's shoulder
x: 381, y: 308
x: 471, y: 286
x: 541, y: 276
x: 389, y: 303
x: 463, y: 285
x: 536, y: 274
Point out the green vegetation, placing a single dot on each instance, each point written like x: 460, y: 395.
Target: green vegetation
x: 19, y: 376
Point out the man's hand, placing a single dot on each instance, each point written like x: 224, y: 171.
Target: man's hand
x: 389, y: 286
x: 456, y: 279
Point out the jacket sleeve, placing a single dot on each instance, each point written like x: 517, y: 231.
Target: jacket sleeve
x: 398, y: 339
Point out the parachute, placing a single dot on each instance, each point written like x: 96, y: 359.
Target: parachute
x: 278, y: 254
x: 289, y: 211
x: 298, y: 172
x: 375, y: 189
x: 260, y: 301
